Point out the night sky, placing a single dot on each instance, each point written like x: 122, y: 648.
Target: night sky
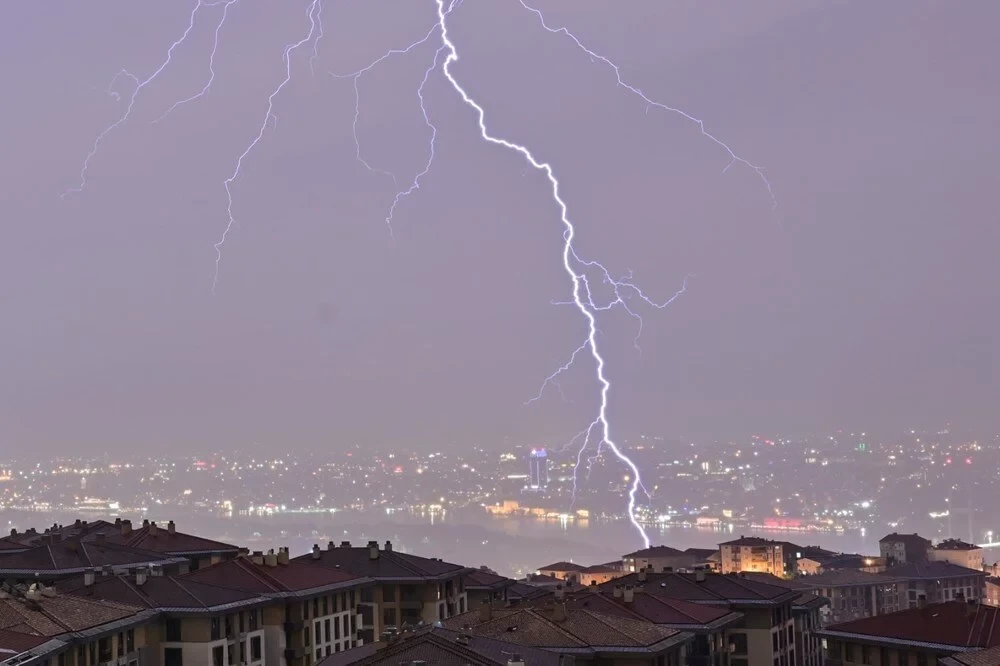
x: 866, y: 299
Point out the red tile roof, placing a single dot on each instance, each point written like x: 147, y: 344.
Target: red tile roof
x: 713, y: 588
x: 656, y: 551
x: 160, y: 592
x: 581, y: 630
x: 75, y: 555
x: 673, y: 613
x: 953, y: 623
x: 15, y: 642
x: 295, y: 576
x: 52, y: 616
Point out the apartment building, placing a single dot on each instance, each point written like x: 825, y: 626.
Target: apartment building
x: 766, y: 635
x: 39, y: 626
x: 936, y: 582
x: 956, y: 551
x: 408, y: 590
x: 903, y: 548
x: 758, y: 555
x: 709, y: 625
x: 483, y: 585
x: 853, y: 595
x: 565, y: 571
x: 661, y: 558
x: 915, y: 636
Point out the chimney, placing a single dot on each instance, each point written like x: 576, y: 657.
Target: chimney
x: 485, y: 612
x: 642, y: 575
x: 118, y: 522
x: 373, y: 550
x: 388, y: 546
x: 48, y: 591
x: 560, y: 593
x: 618, y: 591
x: 629, y: 594
x: 699, y: 576
x: 283, y: 555
x: 33, y: 594
x: 126, y: 527
x: 270, y: 560
x: 13, y: 531
x: 152, y: 529
x: 155, y: 570
x: 316, y: 551
x: 559, y: 612
x: 140, y: 576
x: 922, y: 601
x: 88, y: 577
x: 330, y: 545
x: 171, y: 527
x: 77, y: 523
x: 515, y: 660
x: 145, y: 522
x: 345, y: 544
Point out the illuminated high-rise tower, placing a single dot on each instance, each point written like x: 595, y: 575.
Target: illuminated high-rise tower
x: 538, y: 468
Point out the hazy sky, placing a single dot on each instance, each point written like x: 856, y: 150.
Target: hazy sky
x: 867, y: 299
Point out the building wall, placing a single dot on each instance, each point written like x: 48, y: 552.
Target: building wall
x: 659, y: 564
x: 763, y: 559
x: 970, y: 559
x: 849, y: 653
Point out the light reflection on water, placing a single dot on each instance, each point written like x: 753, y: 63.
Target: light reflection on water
x: 511, y: 546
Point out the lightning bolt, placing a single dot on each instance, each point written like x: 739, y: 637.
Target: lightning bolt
x: 311, y: 13
x: 569, y: 257
x: 356, y: 76
x: 139, y: 86
x: 650, y: 103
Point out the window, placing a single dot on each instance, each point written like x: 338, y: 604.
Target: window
x: 255, y: 648
x: 104, y: 649
x: 243, y: 624
x: 866, y: 654
x: 739, y: 643
x: 121, y: 644
x: 172, y: 657
x: 326, y: 626
x: 216, y: 629
x: 388, y: 617
x: 326, y: 605
x: 774, y: 641
x: 319, y: 654
x: 255, y: 617
x: 218, y: 656
x: 921, y: 659
x: 305, y: 635
x: 388, y: 593
x: 318, y: 635
x: 316, y: 607
x: 902, y: 658
x: 848, y: 651
x: 305, y: 610
x: 336, y: 628
x: 92, y: 649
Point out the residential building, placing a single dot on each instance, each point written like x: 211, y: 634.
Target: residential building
x: 984, y: 657
x: 992, y: 591
x: 853, y: 595
x: 709, y: 624
x: 661, y: 558
x: 584, y: 635
x: 755, y: 554
x: 956, y: 551
x: 485, y: 585
x: 807, y: 614
x: 564, y: 571
x: 767, y: 632
x: 915, y: 636
x: 816, y: 564
x: 903, y: 548
x: 937, y: 582
x: 598, y: 574
x: 409, y: 590
x: 40, y: 626
x: 55, y: 558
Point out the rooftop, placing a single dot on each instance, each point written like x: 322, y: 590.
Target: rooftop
x: 708, y: 588
x: 908, y: 539
x: 580, y: 630
x: 58, y: 555
x: 846, y: 578
x: 656, y: 551
x: 51, y: 616
x: 930, y: 570
x: 650, y: 607
x: 948, y: 625
x: 562, y: 567
x: 381, y: 563
x: 955, y: 544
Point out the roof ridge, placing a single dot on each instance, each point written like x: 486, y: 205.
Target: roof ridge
x: 552, y: 623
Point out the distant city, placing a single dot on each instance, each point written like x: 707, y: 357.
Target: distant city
x: 839, y: 485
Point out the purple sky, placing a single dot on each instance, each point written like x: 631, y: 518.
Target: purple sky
x: 867, y: 299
